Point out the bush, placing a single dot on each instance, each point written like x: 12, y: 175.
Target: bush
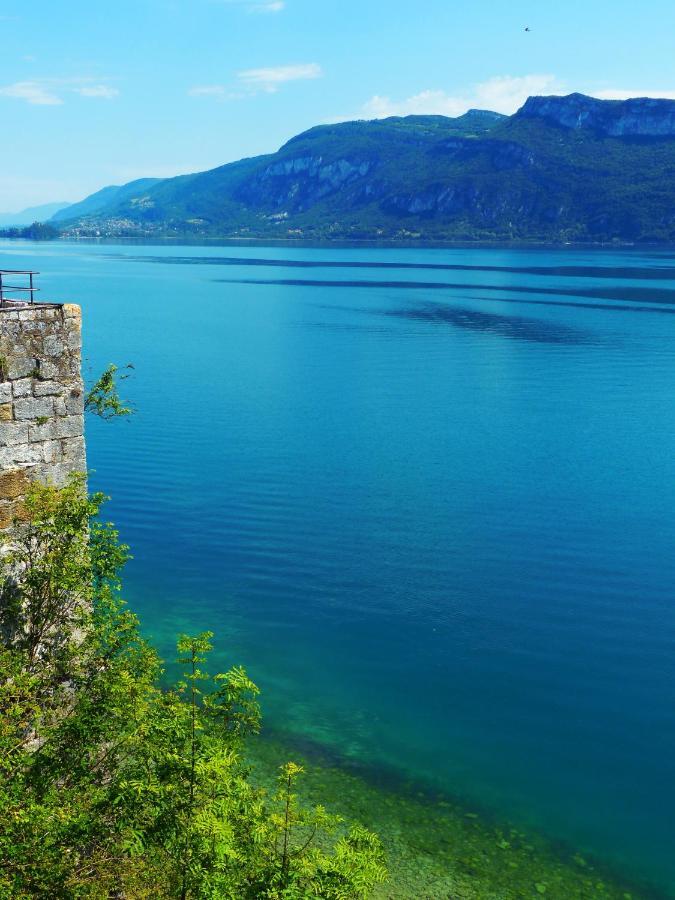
x: 110, y: 785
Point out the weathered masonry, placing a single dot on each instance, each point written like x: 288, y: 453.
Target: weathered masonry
x: 41, y: 398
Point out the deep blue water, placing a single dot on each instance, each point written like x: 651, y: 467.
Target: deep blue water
x: 426, y: 496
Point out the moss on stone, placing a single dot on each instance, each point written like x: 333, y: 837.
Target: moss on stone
x: 13, y: 484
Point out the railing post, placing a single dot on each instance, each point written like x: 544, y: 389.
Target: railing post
x: 12, y: 287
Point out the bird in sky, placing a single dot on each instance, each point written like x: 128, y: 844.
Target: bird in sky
x: 527, y: 28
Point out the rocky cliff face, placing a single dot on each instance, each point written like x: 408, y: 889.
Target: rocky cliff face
x: 619, y: 118
x: 299, y: 182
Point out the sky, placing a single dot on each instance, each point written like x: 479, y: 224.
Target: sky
x: 97, y: 93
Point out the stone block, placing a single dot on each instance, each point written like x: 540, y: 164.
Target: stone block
x: 21, y: 366
x: 44, y: 431
x: 12, y: 511
x: 20, y: 455
x: 47, y: 388
x: 22, y: 387
x: 13, y: 433
x: 33, y: 408
x: 52, y: 451
x: 6, y: 412
x: 53, y: 345
x: 6, y: 515
x: 75, y: 403
x: 13, y: 484
x: 73, y: 452
x: 50, y: 369
x: 68, y: 426
x: 56, y: 473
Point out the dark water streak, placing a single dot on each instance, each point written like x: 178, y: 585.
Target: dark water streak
x: 662, y: 273
x: 632, y: 295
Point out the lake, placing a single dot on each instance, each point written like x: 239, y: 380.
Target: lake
x: 426, y: 496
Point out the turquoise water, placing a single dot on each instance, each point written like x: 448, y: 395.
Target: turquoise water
x: 426, y: 496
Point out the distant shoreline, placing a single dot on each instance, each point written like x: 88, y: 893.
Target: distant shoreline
x: 421, y: 244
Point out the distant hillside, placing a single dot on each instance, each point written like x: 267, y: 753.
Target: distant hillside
x: 32, y: 214
x: 103, y: 199
x: 561, y: 169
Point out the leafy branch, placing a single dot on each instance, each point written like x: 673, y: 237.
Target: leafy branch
x: 103, y: 399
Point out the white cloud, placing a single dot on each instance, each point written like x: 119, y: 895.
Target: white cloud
x: 207, y: 90
x: 32, y: 92
x: 503, y: 93
x: 251, y: 81
x: 49, y: 91
x: 103, y: 91
x: 611, y: 94
x: 259, y: 6
x: 271, y: 78
x: 215, y: 92
x: 273, y: 6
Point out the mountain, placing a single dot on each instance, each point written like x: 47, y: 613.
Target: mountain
x: 561, y: 169
x: 616, y: 118
x: 101, y: 200
x: 32, y: 214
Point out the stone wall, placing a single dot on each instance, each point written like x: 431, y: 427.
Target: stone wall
x: 41, y: 400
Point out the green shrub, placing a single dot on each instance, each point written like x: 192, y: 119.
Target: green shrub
x: 111, y: 786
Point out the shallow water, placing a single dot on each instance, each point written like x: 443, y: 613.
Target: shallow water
x: 426, y: 496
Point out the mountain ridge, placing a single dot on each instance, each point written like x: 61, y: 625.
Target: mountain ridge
x: 637, y: 116
x: 102, y: 198
x: 570, y: 168
x: 32, y: 214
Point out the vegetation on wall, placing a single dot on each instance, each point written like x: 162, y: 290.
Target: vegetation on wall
x: 103, y: 398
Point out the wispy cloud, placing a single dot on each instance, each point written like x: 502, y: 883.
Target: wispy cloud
x: 103, y: 91
x: 503, y: 93
x: 270, y: 79
x: 51, y: 91
x: 258, y: 6
x: 33, y: 92
x: 208, y: 90
x: 272, y: 6
x: 216, y: 92
x: 611, y: 94
x: 249, y: 82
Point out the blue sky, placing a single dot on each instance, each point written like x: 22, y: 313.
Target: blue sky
x: 95, y: 93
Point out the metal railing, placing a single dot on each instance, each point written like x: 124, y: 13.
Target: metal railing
x: 26, y: 291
